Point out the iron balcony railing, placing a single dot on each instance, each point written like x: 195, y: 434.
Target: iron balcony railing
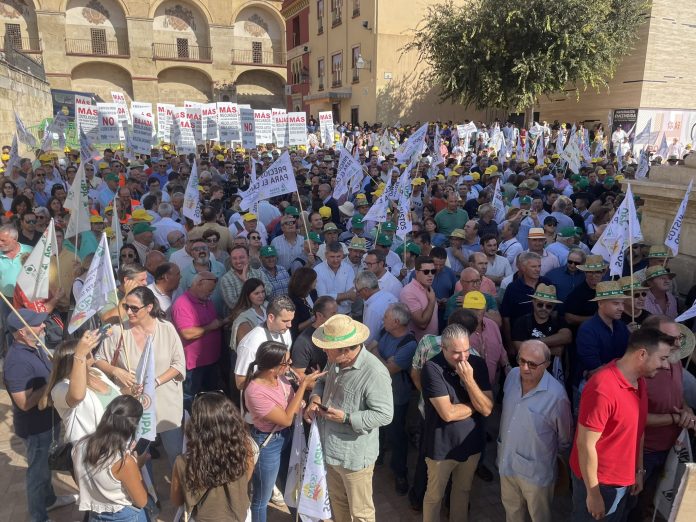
x: 189, y: 53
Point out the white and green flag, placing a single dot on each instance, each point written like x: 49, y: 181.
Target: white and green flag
x: 77, y: 203
x: 192, y: 197
x: 145, y: 376
x: 314, y: 502
x: 33, y: 277
x: 98, y: 290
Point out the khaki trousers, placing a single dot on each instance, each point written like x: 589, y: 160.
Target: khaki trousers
x: 351, y: 494
x: 520, y: 496
x: 439, y: 472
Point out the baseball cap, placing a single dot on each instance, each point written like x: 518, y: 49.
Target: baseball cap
x: 268, y: 251
x: 325, y: 212
x: 30, y: 317
x: 410, y: 247
x: 250, y: 216
x: 330, y: 226
x: 315, y: 237
x: 140, y: 214
x: 389, y: 226
x: 357, y: 221
x: 569, y: 232
x: 384, y: 240
x: 292, y: 211
x: 474, y: 300
x: 358, y: 243
x: 139, y: 228
x: 550, y: 220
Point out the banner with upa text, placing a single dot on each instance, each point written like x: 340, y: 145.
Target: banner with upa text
x: 278, y: 179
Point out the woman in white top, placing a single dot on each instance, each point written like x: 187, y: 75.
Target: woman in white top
x: 107, y: 471
x: 78, y: 392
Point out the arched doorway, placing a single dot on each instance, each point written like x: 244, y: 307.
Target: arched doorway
x: 179, y: 84
x: 19, y: 25
x: 102, y: 78
x: 258, y: 37
x: 261, y: 89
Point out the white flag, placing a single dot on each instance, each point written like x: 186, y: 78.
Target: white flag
x: 622, y: 230
x: 672, y: 239
x: 278, y: 179
x: 98, y: 290
x: 298, y: 455
x: 33, y: 277
x: 314, y: 502
x: 663, y: 151
x: 412, y: 145
x: 572, y: 156
x: 645, y: 137
x: 348, y: 168
x: 77, y: 202
x: 192, y: 197
x: 498, y: 203
x: 404, y: 225
x: 117, y: 241
x: 145, y: 375
x: 437, y: 152
x: 540, y: 154
x: 643, y: 165
x: 24, y: 135
x: 378, y: 210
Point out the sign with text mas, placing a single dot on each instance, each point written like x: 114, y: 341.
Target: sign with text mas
x: 263, y: 126
x: 297, y: 128
x: 248, y: 131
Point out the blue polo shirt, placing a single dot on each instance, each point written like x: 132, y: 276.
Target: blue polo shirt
x: 565, y: 281
x: 597, y: 344
x: 28, y: 368
x: 402, y: 349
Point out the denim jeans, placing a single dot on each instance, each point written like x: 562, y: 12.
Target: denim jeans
x: 615, y: 498
x: 203, y: 378
x: 398, y: 440
x: 272, y: 465
x: 127, y: 514
x: 40, y: 494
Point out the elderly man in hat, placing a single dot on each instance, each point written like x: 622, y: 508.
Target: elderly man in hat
x: 660, y: 299
x: 536, y: 426
x: 657, y: 255
x: 278, y: 276
x: 536, y: 239
x: 565, y: 241
x: 634, y: 310
x: 580, y: 304
x: 350, y: 404
x: 289, y: 244
x: 142, y: 239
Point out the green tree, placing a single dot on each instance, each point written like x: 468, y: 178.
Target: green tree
x: 507, y: 53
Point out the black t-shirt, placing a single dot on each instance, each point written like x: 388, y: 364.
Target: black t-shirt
x: 21, y: 238
x: 526, y: 328
x: 456, y: 440
x: 578, y: 302
x: 305, y: 354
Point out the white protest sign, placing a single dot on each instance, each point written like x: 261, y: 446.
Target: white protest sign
x: 137, y: 106
x: 280, y: 127
x: 141, y: 138
x: 326, y: 128
x: 165, y: 121
x: 248, y: 131
x: 209, y: 122
x: 278, y: 179
x: 228, y: 122
x: 194, y: 116
x: 297, y: 128
x: 108, y: 123
x: 183, y: 132
x: 348, y: 168
x: 86, y: 115
x: 120, y: 100
x: 263, y: 126
x: 188, y: 104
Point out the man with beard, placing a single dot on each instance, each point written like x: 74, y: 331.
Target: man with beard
x: 203, y: 263
x: 232, y: 282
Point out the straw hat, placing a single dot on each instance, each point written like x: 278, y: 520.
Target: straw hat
x: 609, y: 290
x: 340, y: 331
x: 625, y: 283
x: 545, y: 293
x: 536, y: 233
x: 656, y: 271
x: 593, y: 264
x: 659, y: 252
x: 687, y: 342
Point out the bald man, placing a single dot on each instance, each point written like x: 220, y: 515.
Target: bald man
x: 470, y: 280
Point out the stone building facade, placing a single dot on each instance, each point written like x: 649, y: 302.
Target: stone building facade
x: 163, y: 51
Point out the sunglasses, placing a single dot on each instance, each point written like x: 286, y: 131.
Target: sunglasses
x: 212, y: 240
x: 200, y: 249
x: 636, y: 295
x: 30, y: 221
x: 548, y: 306
x: 428, y: 271
x: 571, y: 262
x: 131, y: 308
x: 254, y: 237
x: 530, y: 364
x: 129, y: 256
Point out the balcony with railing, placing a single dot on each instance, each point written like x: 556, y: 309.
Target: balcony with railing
x: 83, y: 47
x: 181, y: 52
x: 26, y: 45
x: 255, y: 57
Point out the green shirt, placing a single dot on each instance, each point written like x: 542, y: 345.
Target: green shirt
x: 447, y: 221
x: 363, y: 391
x: 9, y: 270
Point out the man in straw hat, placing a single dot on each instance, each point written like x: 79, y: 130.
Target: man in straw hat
x: 660, y: 299
x: 580, y: 304
x: 606, y: 459
x: 634, y: 311
x: 536, y: 239
x: 534, y: 402
x: 657, y: 255
x: 350, y: 404
x: 668, y: 412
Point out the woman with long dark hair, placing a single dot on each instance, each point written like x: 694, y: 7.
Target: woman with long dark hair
x: 212, y: 477
x: 272, y: 403
x: 120, y: 354
x: 107, y: 470
x: 302, y: 291
x: 9, y: 192
x: 250, y: 310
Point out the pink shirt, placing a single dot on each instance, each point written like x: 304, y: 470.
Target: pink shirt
x: 260, y: 399
x: 653, y: 307
x: 416, y: 298
x: 489, y: 345
x: 188, y: 312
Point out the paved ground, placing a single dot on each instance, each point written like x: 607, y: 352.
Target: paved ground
x: 485, y: 498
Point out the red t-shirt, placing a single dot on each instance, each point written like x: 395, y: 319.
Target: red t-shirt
x: 614, y: 407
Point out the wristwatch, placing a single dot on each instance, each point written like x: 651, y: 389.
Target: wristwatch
x: 346, y: 418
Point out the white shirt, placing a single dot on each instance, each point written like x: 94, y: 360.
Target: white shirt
x: 499, y: 267
x: 391, y: 284
x: 511, y: 249
x: 373, y: 313
x: 165, y: 301
x: 267, y: 212
x: 333, y: 283
x: 163, y: 227
x: 249, y: 345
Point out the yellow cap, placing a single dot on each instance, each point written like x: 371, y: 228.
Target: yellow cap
x: 474, y: 300
x: 5, y: 157
x: 249, y: 216
x: 96, y: 219
x: 140, y: 214
x: 325, y: 212
x: 220, y: 157
x: 476, y: 176
x: 103, y: 165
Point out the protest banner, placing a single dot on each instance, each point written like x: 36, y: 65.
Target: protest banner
x: 348, y: 168
x: 146, y: 377
x: 120, y: 100
x: 183, y: 132
x: 280, y: 127
x: 188, y: 104
x: 326, y: 128
x: 674, y: 233
x: 297, y: 128
x: 108, y: 123
x: 209, y: 122
x: 86, y: 115
x: 33, y: 276
x: 248, y: 131
x: 193, y: 114
x: 141, y: 138
x: 165, y: 118
x: 228, y: 122
x: 192, y: 197
x: 137, y: 106
x: 414, y: 144
x: 313, y: 503
x: 278, y: 179
x: 263, y: 126
x: 23, y: 134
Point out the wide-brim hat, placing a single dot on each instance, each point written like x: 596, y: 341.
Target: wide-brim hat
x: 529, y: 184
x: 347, y: 208
x: 609, y: 290
x: 659, y: 252
x: 340, y: 331
x: 625, y: 283
x: 656, y: 271
x: 545, y: 293
x: 687, y: 343
x: 593, y: 264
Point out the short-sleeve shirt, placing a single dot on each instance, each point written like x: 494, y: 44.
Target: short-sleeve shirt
x: 578, y: 301
x: 249, y: 345
x: 612, y: 406
x: 305, y: 354
x: 28, y: 368
x: 415, y: 297
x: 516, y: 300
x: 402, y: 350
x: 526, y: 328
x: 456, y: 440
x: 260, y: 399
x: 188, y: 312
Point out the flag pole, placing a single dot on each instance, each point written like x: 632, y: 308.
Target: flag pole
x: 14, y: 310
x: 630, y: 258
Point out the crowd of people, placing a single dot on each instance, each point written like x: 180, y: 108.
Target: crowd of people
x: 307, y: 308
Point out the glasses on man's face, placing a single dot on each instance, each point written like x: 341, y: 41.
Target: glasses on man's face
x: 428, y: 271
x: 30, y: 221
x: 258, y: 238
x: 200, y: 249
x: 131, y: 308
x: 571, y: 262
x: 289, y: 224
x: 530, y: 364
x: 637, y: 295
x: 541, y: 306
x: 212, y: 240
x: 472, y: 281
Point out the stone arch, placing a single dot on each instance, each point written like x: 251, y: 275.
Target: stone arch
x: 85, y: 17
x: 180, y: 19
x: 101, y: 78
x: 198, y: 5
x: 261, y: 89
x: 20, y: 14
x: 256, y: 22
x: 177, y: 84
x: 238, y: 13
x: 121, y: 3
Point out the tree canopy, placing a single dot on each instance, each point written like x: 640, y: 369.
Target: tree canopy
x: 507, y: 53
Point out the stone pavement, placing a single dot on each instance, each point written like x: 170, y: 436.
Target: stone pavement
x: 485, y: 497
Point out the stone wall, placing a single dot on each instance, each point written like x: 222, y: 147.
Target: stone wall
x: 21, y: 92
